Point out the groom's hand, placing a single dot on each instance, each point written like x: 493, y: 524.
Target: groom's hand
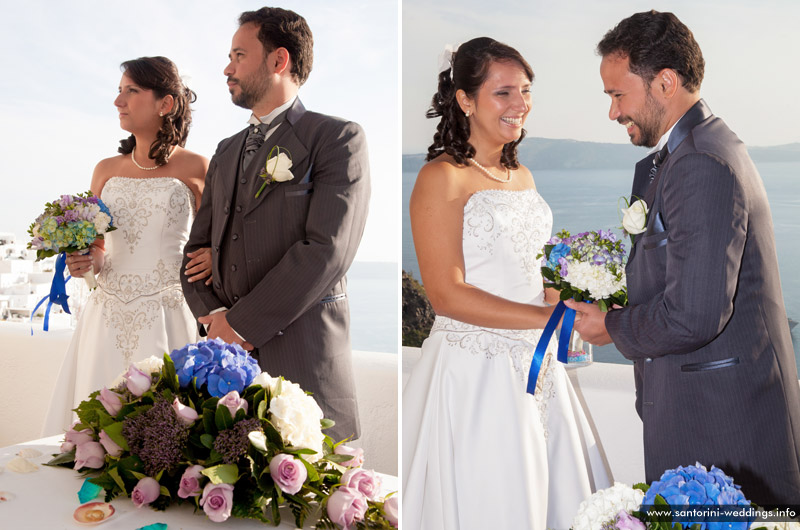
x: 218, y: 327
x: 590, y: 322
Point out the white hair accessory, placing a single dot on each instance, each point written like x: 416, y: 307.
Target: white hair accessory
x: 446, y: 58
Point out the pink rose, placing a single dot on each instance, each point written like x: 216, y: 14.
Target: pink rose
x: 77, y: 437
x: 187, y: 415
x: 89, y: 454
x: 111, y: 401
x: 66, y: 447
x: 365, y: 481
x: 217, y: 501
x: 190, y: 482
x: 288, y: 472
x: 356, y: 452
x: 391, y: 510
x: 110, y: 445
x: 233, y: 402
x: 346, y: 506
x: 625, y: 521
x: 137, y: 381
x: 146, y: 491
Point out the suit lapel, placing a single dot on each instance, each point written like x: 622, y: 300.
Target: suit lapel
x: 285, y: 138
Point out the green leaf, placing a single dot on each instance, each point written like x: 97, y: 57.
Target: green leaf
x: 114, y: 431
x: 273, y: 435
x: 223, y: 419
x: 603, y: 306
x: 222, y: 474
x: 209, y: 424
x: 138, y: 475
x: 114, y: 474
x: 339, y: 459
x: 63, y: 458
x: 261, y: 410
x: 207, y: 440
x: 326, y: 423
x: 564, y: 295
x: 168, y: 375
x: 164, y: 491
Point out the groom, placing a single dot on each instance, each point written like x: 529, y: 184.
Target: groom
x: 706, y: 328
x: 282, y: 242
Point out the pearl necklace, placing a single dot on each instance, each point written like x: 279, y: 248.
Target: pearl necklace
x: 135, y: 163
x: 489, y: 174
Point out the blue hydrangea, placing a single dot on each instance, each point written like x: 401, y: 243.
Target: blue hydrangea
x: 696, y: 486
x: 559, y: 251
x: 221, y: 366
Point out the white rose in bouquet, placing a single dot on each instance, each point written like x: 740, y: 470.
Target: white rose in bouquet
x: 297, y: 417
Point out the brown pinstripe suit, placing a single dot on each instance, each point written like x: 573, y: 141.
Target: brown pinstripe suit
x: 716, y: 380
x: 279, y: 261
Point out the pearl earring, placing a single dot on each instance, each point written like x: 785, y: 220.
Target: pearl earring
x: 161, y: 114
x: 466, y: 114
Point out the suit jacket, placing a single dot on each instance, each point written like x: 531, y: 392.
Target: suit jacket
x: 279, y: 261
x: 716, y: 379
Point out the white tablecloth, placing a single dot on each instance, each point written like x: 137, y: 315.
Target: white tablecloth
x: 47, y: 498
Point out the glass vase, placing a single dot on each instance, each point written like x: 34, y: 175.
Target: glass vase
x: 579, y: 352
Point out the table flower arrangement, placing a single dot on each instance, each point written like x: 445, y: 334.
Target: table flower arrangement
x: 668, y: 503
x: 205, y: 426
x: 589, y: 266
x: 70, y: 224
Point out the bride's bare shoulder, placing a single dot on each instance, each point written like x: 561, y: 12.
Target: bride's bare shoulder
x: 442, y: 176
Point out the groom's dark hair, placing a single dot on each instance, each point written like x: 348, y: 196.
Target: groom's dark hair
x: 653, y: 41
x: 281, y: 28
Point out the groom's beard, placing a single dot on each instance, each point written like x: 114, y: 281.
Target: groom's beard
x: 251, y: 89
x: 648, y: 122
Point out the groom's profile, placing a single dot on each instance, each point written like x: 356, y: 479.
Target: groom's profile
x: 283, y: 211
x: 706, y: 327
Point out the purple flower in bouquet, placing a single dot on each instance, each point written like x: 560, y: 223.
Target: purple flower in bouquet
x: 288, y: 472
x: 146, y: 491
x: 217, y: 501
x: 224, y: 367
x: 190, y: 482
x: 346, y: 506
x: 626, y: 521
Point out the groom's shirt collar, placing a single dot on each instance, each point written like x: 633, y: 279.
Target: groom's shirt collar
x: 255, y: 120
x: 664, y: 139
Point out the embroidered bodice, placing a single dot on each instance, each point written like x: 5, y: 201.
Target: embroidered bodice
x: 143, y: 255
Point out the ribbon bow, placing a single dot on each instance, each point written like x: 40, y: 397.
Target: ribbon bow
x: 58, y: 292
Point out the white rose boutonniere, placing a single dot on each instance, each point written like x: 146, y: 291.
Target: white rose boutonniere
x: 277, y: 168
x: 634, y: 218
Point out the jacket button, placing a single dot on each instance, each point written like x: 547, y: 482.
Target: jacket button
x: 235, y: 298
x: 279, y: 334
x: 226, y: 209
x: 235, y: 237
x: 233, y: 268
x: 216, y: 248
x: 238, y: 207
x: 243, y: 180
x: 648, y: 360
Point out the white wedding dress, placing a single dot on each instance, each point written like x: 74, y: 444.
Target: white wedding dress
x: 138, y: 308
x: 478, y: 451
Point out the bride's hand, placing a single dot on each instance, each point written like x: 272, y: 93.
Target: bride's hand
x: 80, y: 264
x: 199, y: 265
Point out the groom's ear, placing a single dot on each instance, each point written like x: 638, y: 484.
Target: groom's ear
x: 281, y: 60
x: 667, y: 82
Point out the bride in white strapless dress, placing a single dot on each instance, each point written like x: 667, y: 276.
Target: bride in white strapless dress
x: 138, y: 308
x: 478, y: 451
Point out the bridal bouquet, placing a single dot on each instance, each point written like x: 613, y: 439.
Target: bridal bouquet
x: 683, y: 498
x: 205, y: 426
x: 70, y: 224
x: 589, y: 266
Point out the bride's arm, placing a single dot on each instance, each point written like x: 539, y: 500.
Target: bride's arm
x: 79, y: 265
x: 437, y: 214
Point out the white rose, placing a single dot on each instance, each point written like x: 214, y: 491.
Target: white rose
x: 265, y: 380
x: 101, y: 222
x: 278, y: 168
x: 149, y: 366
x: 634, y: 218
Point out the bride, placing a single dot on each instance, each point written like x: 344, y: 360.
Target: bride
x: 478, y: 451
x: 152, y: 190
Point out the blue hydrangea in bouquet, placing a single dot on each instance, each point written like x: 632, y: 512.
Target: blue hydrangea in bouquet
x: 589, y: 266
x: 684, y: 498
x: 205, y: 426
x: 70, y: 224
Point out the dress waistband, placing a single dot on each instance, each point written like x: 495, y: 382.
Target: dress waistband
x: 449, y: 325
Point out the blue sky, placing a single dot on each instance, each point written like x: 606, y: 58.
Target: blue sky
x: 751, y: 81
x: 60, y: 73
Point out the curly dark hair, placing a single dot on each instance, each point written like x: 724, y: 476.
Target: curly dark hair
x: 653, y: 41
x: 470, y: 66
x: 160, y: 75
x: 281, y: 28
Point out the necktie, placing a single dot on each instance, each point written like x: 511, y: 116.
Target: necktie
x: 660, y: 156
x: 255, y: 138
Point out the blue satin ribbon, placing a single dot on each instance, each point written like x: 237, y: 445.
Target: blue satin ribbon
x: 58, y: 292
x: 544, y: 340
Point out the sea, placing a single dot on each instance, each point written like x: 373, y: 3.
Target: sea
x: 373, y: 290
x: 588, y: 200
